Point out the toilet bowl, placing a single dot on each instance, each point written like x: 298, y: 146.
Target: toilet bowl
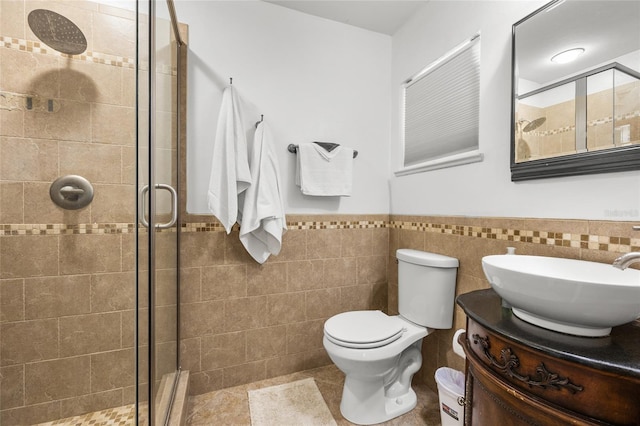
x: 379, y: 354
x: 378, y: 367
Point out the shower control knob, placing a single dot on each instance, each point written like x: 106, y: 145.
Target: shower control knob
x: 71, y: 192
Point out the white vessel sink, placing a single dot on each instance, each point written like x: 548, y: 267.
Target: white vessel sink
x: 570, y: 296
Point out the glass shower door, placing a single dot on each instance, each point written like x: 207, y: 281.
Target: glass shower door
x: 158, y: 182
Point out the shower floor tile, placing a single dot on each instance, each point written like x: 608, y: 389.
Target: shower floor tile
x: 231, y: 406
x: 119, y: 416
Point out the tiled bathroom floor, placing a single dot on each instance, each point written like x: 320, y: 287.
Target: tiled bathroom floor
x: 231, y: 406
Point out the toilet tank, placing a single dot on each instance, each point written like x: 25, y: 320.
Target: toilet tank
x: 426, y: 287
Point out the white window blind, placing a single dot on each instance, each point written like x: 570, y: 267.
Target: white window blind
x: 441, y: 109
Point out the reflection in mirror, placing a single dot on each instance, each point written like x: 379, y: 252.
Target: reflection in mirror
x: 582, y: 115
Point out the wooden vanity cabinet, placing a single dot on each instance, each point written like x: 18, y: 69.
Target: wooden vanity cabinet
x: 520, y: 374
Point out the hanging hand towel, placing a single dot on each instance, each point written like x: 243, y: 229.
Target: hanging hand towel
x: 324, y: 173
x: 230, y: 173
x: 263, y: 219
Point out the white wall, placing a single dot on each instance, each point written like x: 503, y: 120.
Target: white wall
x: 485, y: 189
x: 313, y: 79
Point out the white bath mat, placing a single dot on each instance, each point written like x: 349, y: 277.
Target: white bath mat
x: 295, y: 403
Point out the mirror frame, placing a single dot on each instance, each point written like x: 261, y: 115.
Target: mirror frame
x: 619, y: 159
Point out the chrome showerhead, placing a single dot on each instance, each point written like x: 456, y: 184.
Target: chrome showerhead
x: 532, y: 125
x: 57, y: 32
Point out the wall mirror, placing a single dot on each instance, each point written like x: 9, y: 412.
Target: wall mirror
x: 576, y: 89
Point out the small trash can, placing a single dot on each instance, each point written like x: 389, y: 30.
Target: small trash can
x: 451, y: 393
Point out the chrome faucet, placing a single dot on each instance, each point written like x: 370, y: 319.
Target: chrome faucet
x: 627, y: 259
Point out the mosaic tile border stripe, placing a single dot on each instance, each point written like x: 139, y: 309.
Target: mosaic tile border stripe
x: 616, y: 244
x: 88, y: 56
x: 63, y: 229
x: 550, y: 238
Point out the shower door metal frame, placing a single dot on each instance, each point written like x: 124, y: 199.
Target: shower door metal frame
x: 151, y: 223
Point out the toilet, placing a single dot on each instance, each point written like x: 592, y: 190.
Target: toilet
x: 379, y: 354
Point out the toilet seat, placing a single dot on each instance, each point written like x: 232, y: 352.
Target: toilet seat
x: 363, y: 329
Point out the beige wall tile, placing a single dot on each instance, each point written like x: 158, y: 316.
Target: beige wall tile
x: 224, y: 282
x: 128, y: 165
x: 166, y: 287
x: 322, y: 303
x: 57, y: 379
x: 11, y: 202
x: 372, y: 269
x: 305, y: 275
x: 324, y: 243
x: 82, y: 254
x: 190, y: 285
x: 294, y: 246
x: 119, y: 40
x: 28, y: 256
x: 266, y: 279
x: 12, y: 122
x: 11, y: 300
x: 41, y: 345
x: 266, y: 343
x: 70, y: 120
x: 52, y: 297
x: 245, y: 373
x: 223, y: 350
x: 285, y: 308
x: 103, y: 131
x: 205, y: 381
x: 129, y: 328
x: 113, y: 292
x: 30, y: 415
x: 304, y: 336
x: 28, y: 159
x: 12, y: 18
x: 190, y: 354
x: 112, y: 370
x: 199, y: 319
x: 340, y: 272
x: 91, y: 82
x: 286, y: 364
x: 112, y: 204
x: 86, y: 334
x: 357, y: 242
x: 356, y: 298
x: 30, y: 73
x: 12, y: 389
x: 95, y: 162
x: 202, y: 248
x: 166, y: 324
x: 245, y: 313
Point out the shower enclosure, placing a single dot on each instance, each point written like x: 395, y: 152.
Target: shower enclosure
x: 89, y: 227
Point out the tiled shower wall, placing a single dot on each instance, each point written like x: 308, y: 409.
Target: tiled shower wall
x: 243, y: 322
x: 67, y: 283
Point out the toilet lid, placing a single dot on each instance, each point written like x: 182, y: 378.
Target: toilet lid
x: 363, y: 329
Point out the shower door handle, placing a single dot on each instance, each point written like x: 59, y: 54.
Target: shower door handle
x: 174, y: 206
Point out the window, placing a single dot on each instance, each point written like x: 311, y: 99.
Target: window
x: 441, y: 112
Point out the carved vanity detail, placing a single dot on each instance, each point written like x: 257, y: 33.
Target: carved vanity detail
x: 520, y: 374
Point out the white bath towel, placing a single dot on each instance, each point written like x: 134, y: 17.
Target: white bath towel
x: 230, y: 174
x: 324, y: 173
x: 262, y: 220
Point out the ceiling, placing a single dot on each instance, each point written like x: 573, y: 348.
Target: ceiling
x: 384, y: 17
